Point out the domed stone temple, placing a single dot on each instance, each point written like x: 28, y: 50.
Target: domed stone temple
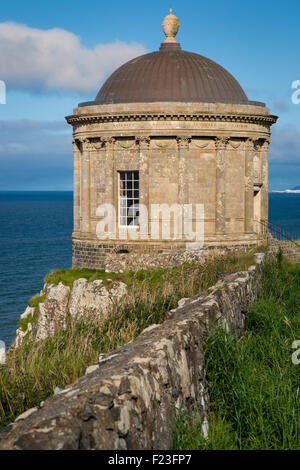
x: 170, y: 154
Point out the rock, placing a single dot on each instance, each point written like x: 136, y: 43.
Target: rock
x: 104, y: 357
x: 91, y: 369
x: 259, y: 257
x: 52, y: 313
x: 149, y: 328
x: 28, y: 311
x: 2, y: 352
x: 85, y: 299
x: 20, y: 333
x: 94, y: 299
x: 26, y: 414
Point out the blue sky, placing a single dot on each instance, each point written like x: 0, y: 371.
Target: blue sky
x: 56, y: 54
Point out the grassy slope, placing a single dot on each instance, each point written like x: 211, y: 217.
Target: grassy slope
x: 254, y: 386
x: 33, y: 370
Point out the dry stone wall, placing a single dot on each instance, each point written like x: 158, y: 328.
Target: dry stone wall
x: 128, y: 399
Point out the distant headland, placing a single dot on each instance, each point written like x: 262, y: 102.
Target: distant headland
x: 295, y: 190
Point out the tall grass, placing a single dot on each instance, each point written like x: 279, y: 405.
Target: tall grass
x: 254, y: 387
x: 33, y: 370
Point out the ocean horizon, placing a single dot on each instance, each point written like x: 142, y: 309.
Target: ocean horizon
x: 36, y: 237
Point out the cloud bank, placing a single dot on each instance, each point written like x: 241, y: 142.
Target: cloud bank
x: 55, y: 59
x: 35, y: 155
x: 285, y: 145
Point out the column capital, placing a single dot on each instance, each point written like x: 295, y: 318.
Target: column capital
x: 249, y: 144
x: 85, y: 144
x: 221, y: 142
x: 265, y: 145
x: 76, y: 144
x: 143, y: 141
x: 108, y: 141
x: 183, y: 142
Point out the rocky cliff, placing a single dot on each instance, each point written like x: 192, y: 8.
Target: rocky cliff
x: 56, y: 303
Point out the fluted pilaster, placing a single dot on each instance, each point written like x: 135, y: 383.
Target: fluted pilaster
x: 221, y: 144
x: 76, y: 185
x: 183, y: 189
x: 85, y: 185
x: 249, y: 179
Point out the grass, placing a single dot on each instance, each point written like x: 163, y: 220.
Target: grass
x: 36, y: 300
x: 33, y: 370
x: 68, y: 276
x: 254, y: 387
x: 152, y: 277
x: 24, y: 322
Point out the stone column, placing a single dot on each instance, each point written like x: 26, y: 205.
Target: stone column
x: 85, y: 185
x: 249, y: 194
x: 109, y: 171
x: 183, y: 188
x: 144, y: 144
x: 264, y: 180
x: 95, y: 174
x: 76, y: 189
x: 221, y: 144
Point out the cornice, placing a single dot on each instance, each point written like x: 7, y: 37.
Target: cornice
x: 212, y: 117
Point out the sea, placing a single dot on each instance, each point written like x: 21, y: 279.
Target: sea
x: 35, y: 238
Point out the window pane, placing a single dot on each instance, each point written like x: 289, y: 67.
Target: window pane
x: 129, y: 198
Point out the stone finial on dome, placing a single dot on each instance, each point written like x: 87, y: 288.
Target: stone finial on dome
x: 170, y: 26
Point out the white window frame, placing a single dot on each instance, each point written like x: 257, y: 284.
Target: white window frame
x: 135, y: 180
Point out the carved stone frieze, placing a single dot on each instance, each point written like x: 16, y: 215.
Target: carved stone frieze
x: 235, y: 143
x: 126, y: 143
x: 203, y: 143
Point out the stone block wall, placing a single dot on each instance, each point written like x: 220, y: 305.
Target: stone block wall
x: 134, y: 256
x: 91, y: 255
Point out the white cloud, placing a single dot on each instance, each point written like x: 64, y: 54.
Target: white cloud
x: 41, y: 142
x: 35, y: 155
x: 55, y: 59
